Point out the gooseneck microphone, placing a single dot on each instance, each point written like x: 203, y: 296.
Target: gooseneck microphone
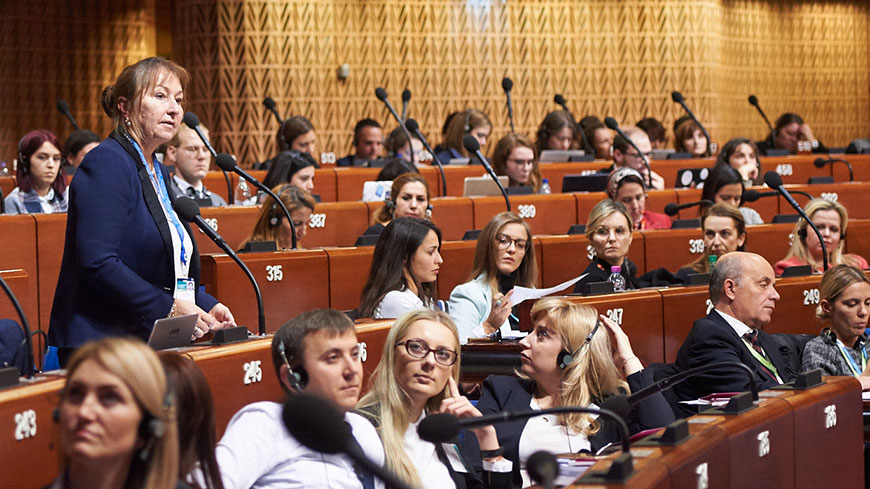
x: 227, y: 163
x: 317, y: 424
x: 678, y: 98
x: 192, y: 121
x: 27, y: 356
x: 412, y: 126
x: 611, y: 123
x: 406, y: 98
x: 189, y: 211
x: 270, y: 106
x: 820, y: 162
x: 543, y: 468
x: 560, y: 100
x: 473, y: 146
x: 669, y: 382
x: 507, y: 84
x: 753, y: 100
x: 63, y: 108
x: 673, y: 209
x: 774, y: 181
x: 381, y: 94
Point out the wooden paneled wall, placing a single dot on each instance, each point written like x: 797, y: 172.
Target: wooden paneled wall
x: 618, y: 58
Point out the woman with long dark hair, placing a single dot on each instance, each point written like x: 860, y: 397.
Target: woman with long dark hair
x: 405, y: 266
x: 725, y: 184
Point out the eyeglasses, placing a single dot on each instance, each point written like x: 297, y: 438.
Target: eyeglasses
x: 504, y: 242
x: 419, y: 349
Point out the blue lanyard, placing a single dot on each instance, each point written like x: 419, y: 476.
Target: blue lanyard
x: 164, y: 197
x: 852, y: 364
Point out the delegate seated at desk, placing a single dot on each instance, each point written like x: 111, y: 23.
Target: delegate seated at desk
x: 743, y: 294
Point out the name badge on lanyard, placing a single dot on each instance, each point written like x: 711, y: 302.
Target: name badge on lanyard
x: 185, y: 289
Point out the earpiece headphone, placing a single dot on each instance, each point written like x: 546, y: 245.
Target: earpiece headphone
x: 390, y: 204
x: 802, y: 233
x: 467, y: 127
x: 281, y: 134
x: 276, y: 214
x: 298, y: 379
x: 566, y: 358
x: 23, y: 162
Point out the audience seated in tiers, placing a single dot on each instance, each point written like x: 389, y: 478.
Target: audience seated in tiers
x: 77, y: 145
x: 624, y: 155
x: 789, y: 129
x: 409, y: 197
x: 841, y: 348
x: 191, y: 159
x: 655, y: 131
x: 41, y: 187
x: 368, y: 144
x: 194, y: 416
x: 410, y: 384
x: 404, y: 269
x: 832, y: 220
x: 316, y: 353
x: 743, y: 296
x: 397, y: 146
x: 599, y: 136
x: 557, y: 132
x: 515, y: 157
x: 608, y: 229
x: 742, y: 155
x: 724, y: 184
x: 689, y: 138
x: 128, y: 259
x: 724, y: 231
x: 272, y: 224
x: 296, y: 133
x: 572, y: 357
x: 469, y: 121
x: 504, y: 257
x: 626, y: 186
x: 294, y: 167
x: 115, y: 420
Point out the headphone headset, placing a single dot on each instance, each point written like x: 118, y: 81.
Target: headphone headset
x: 281, y: 135
x: 565, y: 357
x: 802, y: 232
x: 298, y: 379
x: 276, y: 214
x: 467, y: 127
x: 23, y: 162
x: 390, y: 204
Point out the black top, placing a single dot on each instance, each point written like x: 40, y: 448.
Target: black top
x: 376, y: 229
x: 599, y: 271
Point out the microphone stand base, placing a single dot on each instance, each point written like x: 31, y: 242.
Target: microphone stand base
x: 621, y: 469
x: 230, y: 335
x: 9, y: 376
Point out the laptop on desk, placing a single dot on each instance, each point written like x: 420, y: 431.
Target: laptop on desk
x: 172, y: 332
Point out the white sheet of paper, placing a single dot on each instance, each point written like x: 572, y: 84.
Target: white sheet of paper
x: 524, y: 293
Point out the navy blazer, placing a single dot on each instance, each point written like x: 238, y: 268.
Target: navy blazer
x: 117, y: 274
x: 711, y: 340
x: 505, y: 393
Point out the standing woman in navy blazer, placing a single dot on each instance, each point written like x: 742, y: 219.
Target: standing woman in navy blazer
x: 128, y: 258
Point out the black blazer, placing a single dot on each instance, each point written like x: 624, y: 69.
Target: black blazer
x: 712, y: 339
x: 505, y: 393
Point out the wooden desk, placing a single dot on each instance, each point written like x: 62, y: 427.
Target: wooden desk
x: 672, y: 248
x: 234, y: 224
x: 453, y: 216
x: 18, y: 242
x: 50, y: 238
x: 545, y: 214
x: 772, y: 241
x: 668, y: 169
x: 336, y: 224
x: 565, y: 257
x: 7, y: 184
x: 325, y: 184
x: 795, y: 310
x: 860, y: 166
x: 348, y: 271
x: 853, y: 195
x: 215, y: 182
x: 858, y: 237
x: 795, y: 169
x: 291, y: 282
x: 681, y: 307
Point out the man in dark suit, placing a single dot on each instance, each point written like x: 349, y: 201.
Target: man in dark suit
x: 743, y: 295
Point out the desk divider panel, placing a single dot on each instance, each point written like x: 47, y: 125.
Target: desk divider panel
x: 455, y: 176
x: 458, y: 257
x: 291, y: 282
x: 858, y: 237
x: 656, y: 200
x: 215, y: 183
x: 7, y: 184
x: 545, y: 214
x: 772, y: 241
x: 348, y: 272
x: 17, y: 281
x: 18, y: 242
x: 686, y: 196
x: 794, y: 169
x: 372, y: 335
x: 860, y: 167
x: 795, y: 311
x: 336, y: 224
x: 453, y: 216
x: 767, y: 207
x: 349, y: 182
x: 325, y: 184
x: 50, y: 237
x: 681, y: 307
x: 234, y: 224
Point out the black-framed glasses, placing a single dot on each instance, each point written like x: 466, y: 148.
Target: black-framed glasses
x: 419, y: 349
x: 504, y: 242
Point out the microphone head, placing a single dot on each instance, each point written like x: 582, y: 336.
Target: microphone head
x: 381, y: 94
x: 559, y: 99
x: 316, y: 423
x: 412, y: 125
x: 186, y: 208
x: 190, y: 120
x: 820, y: 162
x: 269, y: 103
x: 751, y: 195
x: 618, y: 404
x: 753, y: 100
x: 611, y: 123
x: 672, y: 209
x: 225, y: 162
x: 406, y: 95
x: 543, y: 467
x: 438, y: 428
x: 507, y: 84
x: 677, y: 97
x: 470, y: 143
x: 62, y: 106
x: 772, y: 179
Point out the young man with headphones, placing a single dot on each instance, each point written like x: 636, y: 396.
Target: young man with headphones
x: 368, y: 143
x: 318, y: 353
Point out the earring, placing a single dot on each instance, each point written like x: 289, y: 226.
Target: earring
x: 127, y: 122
